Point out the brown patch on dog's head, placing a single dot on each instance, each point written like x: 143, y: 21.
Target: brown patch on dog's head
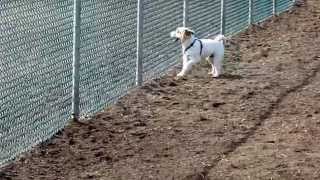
x: 186, y: 35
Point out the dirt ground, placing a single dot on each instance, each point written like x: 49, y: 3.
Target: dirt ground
x: 261, y: 120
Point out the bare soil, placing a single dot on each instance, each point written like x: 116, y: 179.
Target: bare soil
x: 261, y: 120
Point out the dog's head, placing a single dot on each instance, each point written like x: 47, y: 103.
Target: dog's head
x: 182, y: 34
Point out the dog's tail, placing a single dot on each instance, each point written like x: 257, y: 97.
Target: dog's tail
x: 225, y: 40
x: 220, y: 37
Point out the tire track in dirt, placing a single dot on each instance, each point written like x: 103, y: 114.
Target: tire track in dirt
x: 262, y: 118
x: 272, y: 108
x: 285, y: 145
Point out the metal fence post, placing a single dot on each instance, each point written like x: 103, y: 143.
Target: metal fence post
x: 139, y: 44
x: 76, y: 60
x: 185, y: 13
x: 223, y: 20
x: 274, y: 6
x: 250, y: 21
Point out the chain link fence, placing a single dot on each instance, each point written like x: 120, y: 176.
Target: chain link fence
x: 107, y: 52
x: 36, y: 49
x: 261, y: 10
x: 35, y: 72
x: 283, y: 5
x: 236, y: 16
x: 204, y: 17
x: 159, y: 50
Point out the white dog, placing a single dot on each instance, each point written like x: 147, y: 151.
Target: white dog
x: 194, y: 50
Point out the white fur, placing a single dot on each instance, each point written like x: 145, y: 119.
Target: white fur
x: 213, y: 50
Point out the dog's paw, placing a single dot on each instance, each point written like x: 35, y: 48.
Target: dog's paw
x: 180, y: 77
x: 215, y: 75
x: 180, y: 74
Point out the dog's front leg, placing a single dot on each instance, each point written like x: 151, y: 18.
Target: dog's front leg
x: 188, y: 62
x: 184, y: 63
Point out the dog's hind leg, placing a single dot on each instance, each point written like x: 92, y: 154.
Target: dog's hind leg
x: 210, y: 61
x: 217, y: 65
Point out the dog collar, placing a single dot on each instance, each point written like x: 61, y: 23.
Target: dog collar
x: 193, y: 42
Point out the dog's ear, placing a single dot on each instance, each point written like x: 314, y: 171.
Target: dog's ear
x: 188, y: 33
x: 184, y: 34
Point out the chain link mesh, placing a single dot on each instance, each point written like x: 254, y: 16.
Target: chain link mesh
x: 108, y: 52
x: 36, y: 56
x: 160, y: 52
x: 205, y: 17
x: 35, y: 72
x: 236, y: 16
x: 283, y: 5
x: 261, y: 10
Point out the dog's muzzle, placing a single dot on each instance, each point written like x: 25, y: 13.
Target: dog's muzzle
x: 173, y: 35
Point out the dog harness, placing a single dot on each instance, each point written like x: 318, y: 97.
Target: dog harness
x: 193, y: 42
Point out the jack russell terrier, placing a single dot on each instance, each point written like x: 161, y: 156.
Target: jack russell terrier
x: 194, y: 50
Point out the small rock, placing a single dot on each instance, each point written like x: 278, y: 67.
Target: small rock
x: 203, y: 118
x: 217, y: 104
